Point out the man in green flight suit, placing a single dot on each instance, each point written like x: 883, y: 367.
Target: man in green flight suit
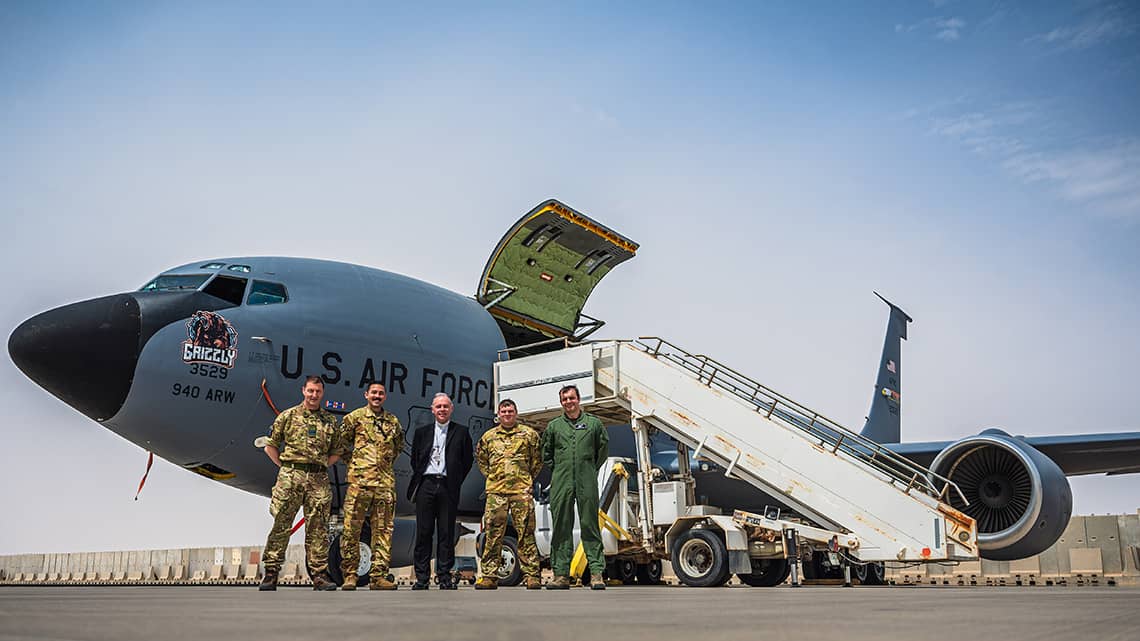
x: 311, y: 444
x: 574, y: 446
x: 376, y: 440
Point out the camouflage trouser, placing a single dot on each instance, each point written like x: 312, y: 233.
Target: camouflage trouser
x: 359, y: 504
x: 521, y: 508
x: 293, y: 489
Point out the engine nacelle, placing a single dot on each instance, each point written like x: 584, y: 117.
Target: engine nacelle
x: 1019, y: 497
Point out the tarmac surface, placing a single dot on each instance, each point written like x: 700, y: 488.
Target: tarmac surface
x: 658, y: 613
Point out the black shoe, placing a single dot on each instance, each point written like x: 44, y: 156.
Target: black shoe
x: 420, y: 584
x: 445, y: 583
x: 269, y: 581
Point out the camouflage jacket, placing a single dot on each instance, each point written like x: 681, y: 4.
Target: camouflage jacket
x: 375, y: 441
x: 308, y: 436
x: 509, y: 459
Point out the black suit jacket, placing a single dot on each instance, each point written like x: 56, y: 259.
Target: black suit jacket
x: 457, y: 454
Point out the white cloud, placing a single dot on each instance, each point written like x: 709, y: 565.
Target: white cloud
x: 970, y: 124
x: 944, y: 29
x: 1105, y: 25
x: 1105, y: 177
x: 995, y: 18
x: 949, y: 29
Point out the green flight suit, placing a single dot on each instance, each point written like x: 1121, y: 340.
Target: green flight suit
x: 574, y: 450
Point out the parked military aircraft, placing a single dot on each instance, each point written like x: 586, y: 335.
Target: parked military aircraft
x: 193, y: 366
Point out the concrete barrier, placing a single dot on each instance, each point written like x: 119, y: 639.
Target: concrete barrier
x: 1025, y: 571
x: 1093, y: 550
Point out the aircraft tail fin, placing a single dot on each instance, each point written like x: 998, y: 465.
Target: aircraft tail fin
x: 884, y: 420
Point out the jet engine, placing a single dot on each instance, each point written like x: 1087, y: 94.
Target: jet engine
x: 1019, y: 497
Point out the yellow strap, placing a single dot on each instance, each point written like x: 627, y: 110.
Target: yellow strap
x: 578, y: 563
x: 606, y: 522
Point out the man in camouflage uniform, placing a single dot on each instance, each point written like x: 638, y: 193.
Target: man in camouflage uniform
x: 311, y: 444
x: 376, y: 439
x: 508, y: 456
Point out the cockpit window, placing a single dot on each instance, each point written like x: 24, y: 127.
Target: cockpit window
x: 266, y: 293
x: 212, y: 266
x: 227, y: 288
x: 174, y: 282
x: 244, y: 269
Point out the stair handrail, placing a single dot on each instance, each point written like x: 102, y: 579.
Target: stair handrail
x: 710, y: 372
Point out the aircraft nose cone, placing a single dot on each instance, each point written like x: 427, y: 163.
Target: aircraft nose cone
x: 84, y: 353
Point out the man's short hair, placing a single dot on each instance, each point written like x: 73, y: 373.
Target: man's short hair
x: 438, y: 394
x: 567, y: 388
x: 370, y: 384
x: 505, y: 402
x: 314, y: 379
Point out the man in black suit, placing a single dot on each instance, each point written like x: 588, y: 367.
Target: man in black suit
x: 441, y: 458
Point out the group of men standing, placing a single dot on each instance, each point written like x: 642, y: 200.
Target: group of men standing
x: 305, y: 440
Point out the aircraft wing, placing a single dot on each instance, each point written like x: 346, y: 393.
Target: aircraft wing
x: 1112, y: 453
x: 543, y: 270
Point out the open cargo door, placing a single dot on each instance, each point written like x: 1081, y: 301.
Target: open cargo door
x: 543, y: 270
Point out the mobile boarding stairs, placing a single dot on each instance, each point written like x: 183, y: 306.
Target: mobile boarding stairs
x: 861, y: 499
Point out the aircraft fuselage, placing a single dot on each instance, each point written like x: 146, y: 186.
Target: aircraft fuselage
x: 202, y: 403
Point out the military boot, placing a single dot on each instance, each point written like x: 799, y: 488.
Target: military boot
x: 533, y: 583
x: 383, y: 583
x: 269, y: 581
x: 598, y: 584
x: 349, y: 581
x: 559, y: 583
x: 322, y: 582
x: 487, y: 583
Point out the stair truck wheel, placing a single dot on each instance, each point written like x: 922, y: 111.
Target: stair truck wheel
x: 700, y: 558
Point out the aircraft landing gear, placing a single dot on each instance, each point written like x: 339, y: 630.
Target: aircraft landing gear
x: 510, y: 572
x: 649, y: 573
x: 766, y: 573
x: 870, y: 573
x: 362, y: 569
x: 624, y: 570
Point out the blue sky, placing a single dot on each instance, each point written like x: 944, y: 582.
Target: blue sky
x: 976, y: 162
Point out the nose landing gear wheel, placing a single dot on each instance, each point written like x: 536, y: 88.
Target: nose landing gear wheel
x: 766, y: 573
x: 362, y: 569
